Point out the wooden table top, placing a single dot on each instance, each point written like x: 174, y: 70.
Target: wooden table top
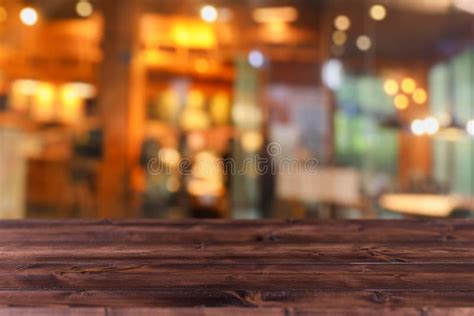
x: 213, y: 267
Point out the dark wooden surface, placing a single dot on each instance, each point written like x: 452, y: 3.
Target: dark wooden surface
x: 237, y: 267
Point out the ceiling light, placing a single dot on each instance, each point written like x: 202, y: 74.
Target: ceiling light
x: 28, y: 16
x: 342, y: 23
x: 378, y: 12
x: 209, y: 13
x: 84, y: 8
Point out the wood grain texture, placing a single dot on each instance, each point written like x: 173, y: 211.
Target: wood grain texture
x: 211, y: 267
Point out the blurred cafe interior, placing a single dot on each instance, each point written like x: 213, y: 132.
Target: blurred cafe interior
x: 132, y: 109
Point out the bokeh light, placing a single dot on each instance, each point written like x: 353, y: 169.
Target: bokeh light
x: 401, y: 101
x: 419, y: 96
x: 378, y: 12
x: 209, y: 13
x: 408, y: 85
x: 363, y: 42
x: 256, y: 59
x: 339, y: 38
x: 84, y: 8
x: 28, y: 16
x: 417, y: 127
x: 431, y: 125
x: 390, y: 87
x: 333, y: 74
x: 342, y: 23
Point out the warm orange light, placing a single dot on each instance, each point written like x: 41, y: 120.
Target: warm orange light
x: 207, y: 176
x: 408, y: 85
x: 69, y: 95
x: 3, y: 14
x: 201, y: 65
x: 276, y: 27
x: 195, y: 99
x: 45, y: 93
x: 168, y: 105
x: 220, y: 109
x: 43, y: 108
x: 390, y: 87
x: 251, y: 141
x: 25, y: 86
x: 275, y: 14
x: 169, y: 156
x: 194, y: 119
x: 70, y: 110
x: 194, y: 35
x: 153, y: 57
x: 83, y: 89
x: 401, y: 101
x: 419, y: 96
x: 21, y: 92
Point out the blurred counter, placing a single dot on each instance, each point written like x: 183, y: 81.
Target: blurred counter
x: 431, y: 205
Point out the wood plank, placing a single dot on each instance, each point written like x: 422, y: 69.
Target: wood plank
x: 240, y: 231
x: 208, y: 253
x: 296, y: 311
x: 324, y: 277
x: 234, y: 311
x: 56, y: 311
x: 260, y: 298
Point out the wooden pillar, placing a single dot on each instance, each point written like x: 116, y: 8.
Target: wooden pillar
x: 121, y: 99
